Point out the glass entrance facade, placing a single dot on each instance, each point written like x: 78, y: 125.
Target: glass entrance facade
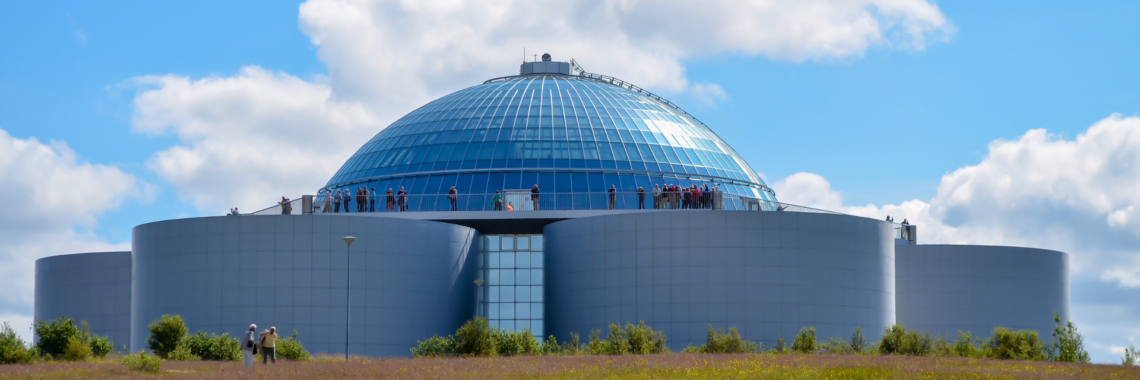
x: 511, y: 295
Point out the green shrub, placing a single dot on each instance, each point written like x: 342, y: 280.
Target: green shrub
x: 100, y: 345
x: 1018, y: 345
x: 805, y: 342
x: 691, y: 349
x: 1068, y: 343
x: 781, y: 348
x: 475, y: 338
x: 13, y: 350
x: 1130, y: 357
x: 897, y: 341
x: 291, y: 349
x: 835, y: 346
x: 719, y: 342
x: 597, y: 346
x: 858, y: 341
x: 182, y: 353
x: 142, y: 362
x: 574, y: 346
x: 436, y: 346
x: 54, y: 335
x: 963, y: 346
x: 514, y: 343
x: 551, y: 346
x: 211, y: 347
x: 76, y: 351
x: 165, y: 334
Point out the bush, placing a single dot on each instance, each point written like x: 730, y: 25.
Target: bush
x: 142, y: 362
x: 514, y: 343
x: 597, y: 346
x: 436, y: 346
x: 835, y: 346
x: 693, y: 349
x: 1018, y: 345
x: 1068, y: 344
x: 182, y: 353
x: 897, y: 341
x: 574, y: 346
x: 54, y: 335
x: 805, y: 342
x: 205, y: 346
x: 13, y: 350
x: 963, y: 346
x: 1130, y: 357
x: 858, y: 341
x: 100, y: 345
x: 781, y: 348
x: 291, y: 349
x: 636, y: 339
x: 475, y: 338
x: 551, y: 346
x: 165, y: 334
x: 76, y: 350
x: 719, y: 342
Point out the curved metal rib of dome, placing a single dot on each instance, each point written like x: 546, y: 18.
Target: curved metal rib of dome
x: 566, y: 133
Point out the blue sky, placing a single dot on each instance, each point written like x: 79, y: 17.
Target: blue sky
x: 882, y: 122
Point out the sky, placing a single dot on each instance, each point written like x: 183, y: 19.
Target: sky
x: 984, y: 123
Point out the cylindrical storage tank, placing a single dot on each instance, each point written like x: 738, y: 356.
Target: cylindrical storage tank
x: 943, y: 289
x: 766, y: 273
x: 93, y: 287
x: 411, y: 279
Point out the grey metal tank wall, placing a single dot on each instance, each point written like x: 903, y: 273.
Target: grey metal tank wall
x: 93, y: 287
x: 943, y: 289
x: 410, y: 278
x: 766, y: 273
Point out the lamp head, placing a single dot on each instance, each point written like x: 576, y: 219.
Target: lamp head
x: 349, y: 239
x: 478, y: 282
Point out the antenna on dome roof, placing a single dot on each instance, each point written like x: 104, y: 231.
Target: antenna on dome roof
x: 575, y: 68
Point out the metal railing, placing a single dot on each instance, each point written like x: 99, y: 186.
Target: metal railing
x: 523, y: 200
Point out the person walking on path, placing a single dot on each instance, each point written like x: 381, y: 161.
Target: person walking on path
x: 497, y: 201
x: 268, y: 341
x: 403, y: 199
x: 613, y: 195
x: 391, y: 201
x: 453, y: 195
x: 640, y: 198
x: 534, y: 196
x: 248, y: 345
x: 371, y: 199
x: 656, y: 196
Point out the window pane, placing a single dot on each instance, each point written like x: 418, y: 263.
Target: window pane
x: 536, y: 312
x: 523, y: 243
x: 492, y: 241
x: 493, y: 277
x: 506, y: 293
x: 536, y: 294
x: 493, y: 293
x: 535, y: 277
x: 536, y: 242
x: 508, y: 243
x: 522, y: 260
x: 536, y: 259
x: 508, y: 277
x: 522, y: 276
x: 507, y: 260
x: 536, y: 326
x: 522, y: 310
x: 506, y: 311
x: 522, y: 294
x: 493, y: 260
x: 493, y: 312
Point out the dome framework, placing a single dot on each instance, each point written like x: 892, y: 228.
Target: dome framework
x: 565, y: 133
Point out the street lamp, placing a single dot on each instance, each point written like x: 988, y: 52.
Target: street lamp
x: 347, y: 289
x: 478, y: 299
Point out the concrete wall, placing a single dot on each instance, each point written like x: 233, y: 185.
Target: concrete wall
x: 766, y: 273
x: 410, y: 278
x: 943, y: 289
x: 93, y: 287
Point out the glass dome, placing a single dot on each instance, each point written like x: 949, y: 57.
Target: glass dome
x: 565, y: 133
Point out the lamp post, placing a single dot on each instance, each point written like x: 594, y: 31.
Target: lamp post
x: 347, y: 289
x: 478, y: 299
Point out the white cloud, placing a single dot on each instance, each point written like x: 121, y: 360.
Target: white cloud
x: 255, y: 136
x: 249, y: 139
x: 51, y: 197
x: 1077, y: 196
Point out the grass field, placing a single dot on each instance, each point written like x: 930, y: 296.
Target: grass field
x: 671, y: 366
